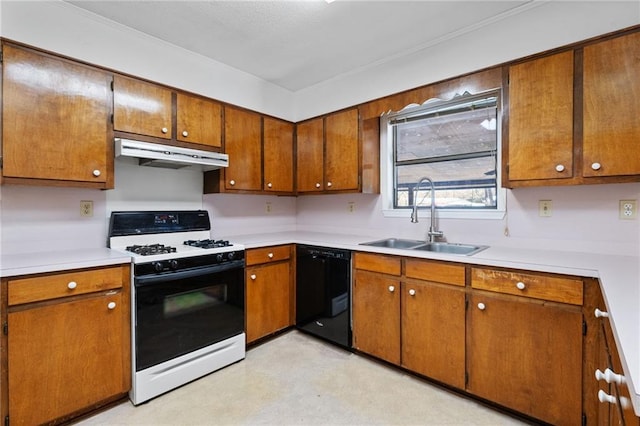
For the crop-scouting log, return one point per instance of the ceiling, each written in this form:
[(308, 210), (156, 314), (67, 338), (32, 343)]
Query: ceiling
[(296, 44)]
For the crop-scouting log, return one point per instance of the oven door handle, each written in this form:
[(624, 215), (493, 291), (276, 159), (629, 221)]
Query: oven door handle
[(189, 273)]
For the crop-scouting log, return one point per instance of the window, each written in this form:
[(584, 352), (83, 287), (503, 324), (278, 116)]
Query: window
[(454, 143)]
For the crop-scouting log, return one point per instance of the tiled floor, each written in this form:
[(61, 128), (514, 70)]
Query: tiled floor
[(298, 380)]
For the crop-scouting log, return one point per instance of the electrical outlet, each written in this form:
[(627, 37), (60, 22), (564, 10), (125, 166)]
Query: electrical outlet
[(86, 208), (545, 208), (628, 209), (267, 207), (351, 206)]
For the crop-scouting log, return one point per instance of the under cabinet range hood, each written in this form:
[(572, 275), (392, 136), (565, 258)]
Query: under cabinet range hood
[(170, 157)]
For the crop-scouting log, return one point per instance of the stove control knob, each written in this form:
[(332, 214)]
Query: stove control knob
[(219, 257), (173, 264), (231, 255), (157, 266)]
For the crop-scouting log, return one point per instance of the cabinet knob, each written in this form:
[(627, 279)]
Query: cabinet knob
[(392, 288), (412, 292), (317, 185), (232, 182), (270, 255), (601, 314), (605, 397), (520, 285), (559, 168), (596, 166), (269, 185), (329, 184), (481, 306), (609, 376), (96, 173), (253, 276), (164, 130), (185, 133), (111, 305), (72, 285)]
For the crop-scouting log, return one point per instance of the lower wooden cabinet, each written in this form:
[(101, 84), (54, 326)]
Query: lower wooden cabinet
[(70, 352), (269, 294)]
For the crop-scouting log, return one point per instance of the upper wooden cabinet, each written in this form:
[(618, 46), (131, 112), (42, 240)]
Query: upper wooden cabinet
[(277, 155), (541, 118), (146, 109), (55, 121), (243, 144), (611, 103), (328, 153), (573, 116)]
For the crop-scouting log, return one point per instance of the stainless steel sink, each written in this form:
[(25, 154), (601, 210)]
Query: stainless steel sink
[(451, 248), (397, 243)]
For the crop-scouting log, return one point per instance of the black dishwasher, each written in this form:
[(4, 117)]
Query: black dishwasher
[(323, 293)]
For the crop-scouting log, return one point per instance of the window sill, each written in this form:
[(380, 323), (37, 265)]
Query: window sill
[(447, 214)]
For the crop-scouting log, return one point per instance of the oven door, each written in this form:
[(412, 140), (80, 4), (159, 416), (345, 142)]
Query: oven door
[(180, 312)]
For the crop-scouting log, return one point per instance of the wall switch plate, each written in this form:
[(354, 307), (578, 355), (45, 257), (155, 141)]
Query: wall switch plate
[(545, 208), (628, 209), (86, 208), (351, 206), (268, 208)]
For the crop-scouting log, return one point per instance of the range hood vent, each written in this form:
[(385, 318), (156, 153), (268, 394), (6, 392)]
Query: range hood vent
[(170, 157)]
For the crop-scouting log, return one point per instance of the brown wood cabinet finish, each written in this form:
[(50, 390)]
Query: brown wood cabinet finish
[(341, 151), (55, 121), (142, 108), (278, 155), (310, 156), (391, 265), (541, 118), (198, 120), (611, 107), (243, 144), (526, 355)]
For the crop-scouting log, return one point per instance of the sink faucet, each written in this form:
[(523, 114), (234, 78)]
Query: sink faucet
[(433, 232)]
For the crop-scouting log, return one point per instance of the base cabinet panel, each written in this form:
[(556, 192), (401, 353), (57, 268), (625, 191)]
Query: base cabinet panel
[(526, 356)]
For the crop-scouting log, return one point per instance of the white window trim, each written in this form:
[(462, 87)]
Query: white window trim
[(386, 183)]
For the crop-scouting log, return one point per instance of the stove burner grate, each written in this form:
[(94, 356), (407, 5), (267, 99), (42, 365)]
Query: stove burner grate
[(151, 249), (208, 244)]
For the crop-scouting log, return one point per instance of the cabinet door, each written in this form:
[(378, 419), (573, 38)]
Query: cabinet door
[(611, 107), (268, 299), (341, 147), (278, 155), (433, 331), (527, 356), (142, 108), (243, 144), (65, 357), (55, 119), (540, 140), (199, 120), (310, 156), (376, 315)]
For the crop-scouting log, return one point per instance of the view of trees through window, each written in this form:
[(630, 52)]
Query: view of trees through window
[(455, 144)]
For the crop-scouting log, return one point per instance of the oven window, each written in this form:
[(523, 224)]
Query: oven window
[(191, 301)]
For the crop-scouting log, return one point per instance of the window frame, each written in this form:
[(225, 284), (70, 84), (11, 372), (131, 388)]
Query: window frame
[(388, 170)]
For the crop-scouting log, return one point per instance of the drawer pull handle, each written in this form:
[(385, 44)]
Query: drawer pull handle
[(601, 314), (269, 185), (596, 166), (605, 397), (329, 184), (185, 133), (164, 130), (317, 185), (111, 305), (412, 292), (521, 285), (253, 276), (559, 168), (481, 306), (270, 255), (96, 173), (609, 376), (392, 288), (72, 285), (232, 182)]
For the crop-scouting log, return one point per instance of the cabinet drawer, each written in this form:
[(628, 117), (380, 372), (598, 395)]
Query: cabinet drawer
[(556, 289), (26, 290), (435, 271), (378, 263), (267, 255)]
